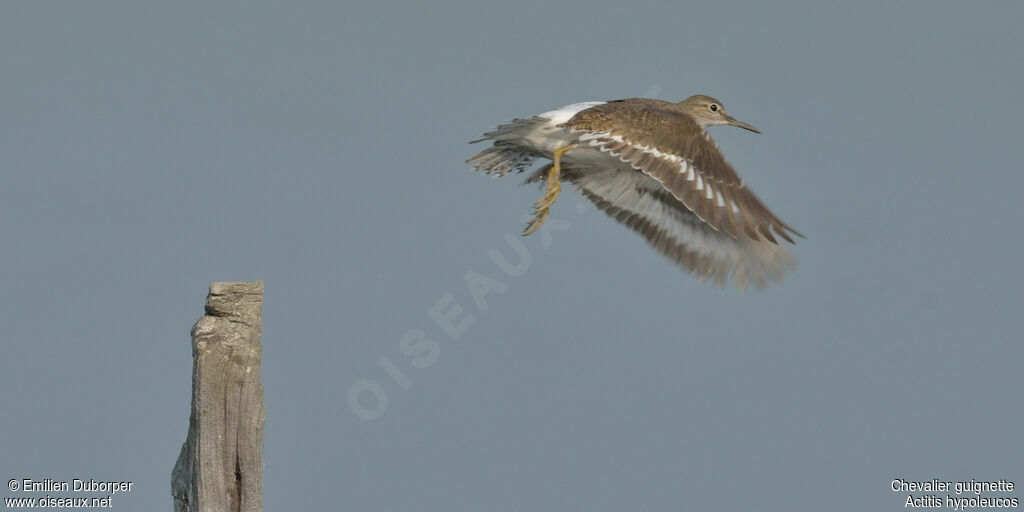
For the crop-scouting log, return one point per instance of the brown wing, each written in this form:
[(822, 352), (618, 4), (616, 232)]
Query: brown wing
[(642, 204), (680, 155)]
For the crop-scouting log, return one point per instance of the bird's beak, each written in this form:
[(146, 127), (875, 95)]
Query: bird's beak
[(731, 121)]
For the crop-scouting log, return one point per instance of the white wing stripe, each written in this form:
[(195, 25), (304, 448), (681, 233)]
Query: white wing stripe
[(758, 261), (591, 136)]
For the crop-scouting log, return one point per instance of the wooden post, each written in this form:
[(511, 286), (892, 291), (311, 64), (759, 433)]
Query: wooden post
[(220, 467)]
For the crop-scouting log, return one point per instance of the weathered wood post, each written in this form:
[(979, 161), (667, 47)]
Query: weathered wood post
[(220, 467)]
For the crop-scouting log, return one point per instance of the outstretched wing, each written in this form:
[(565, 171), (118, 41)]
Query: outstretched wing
[(642, 204), (679, 155)]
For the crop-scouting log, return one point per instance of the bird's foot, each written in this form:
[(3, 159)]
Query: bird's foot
[(542, 207)]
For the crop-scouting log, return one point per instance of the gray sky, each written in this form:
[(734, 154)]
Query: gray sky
[(147, 150)]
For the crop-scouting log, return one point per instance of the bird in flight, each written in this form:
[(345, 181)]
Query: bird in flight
[(652, 166)]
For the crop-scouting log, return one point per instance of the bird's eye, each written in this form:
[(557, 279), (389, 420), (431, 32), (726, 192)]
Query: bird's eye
[(713, 107)]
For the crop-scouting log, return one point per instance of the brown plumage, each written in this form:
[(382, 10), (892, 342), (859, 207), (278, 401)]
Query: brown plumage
[(630, 126), (651, 165)]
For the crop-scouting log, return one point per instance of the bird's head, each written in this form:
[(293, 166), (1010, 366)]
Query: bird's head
[(708, 111)]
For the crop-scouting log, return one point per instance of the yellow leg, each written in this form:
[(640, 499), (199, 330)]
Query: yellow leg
[(554, 185)]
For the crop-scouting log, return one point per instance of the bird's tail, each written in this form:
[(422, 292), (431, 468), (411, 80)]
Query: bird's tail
[(504, 156), (500, 159)]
